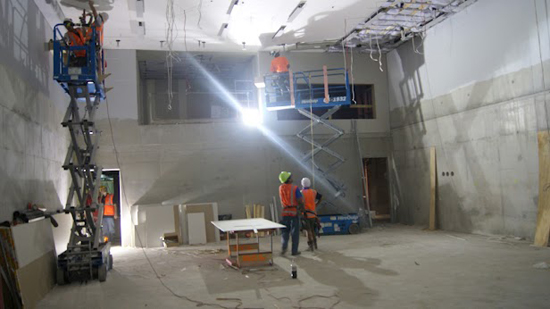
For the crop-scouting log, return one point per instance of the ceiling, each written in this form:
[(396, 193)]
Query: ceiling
[(317, 25), (251, 21)]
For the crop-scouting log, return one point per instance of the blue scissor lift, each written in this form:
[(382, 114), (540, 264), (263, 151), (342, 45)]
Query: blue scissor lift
[(308, 90), (87, 256)]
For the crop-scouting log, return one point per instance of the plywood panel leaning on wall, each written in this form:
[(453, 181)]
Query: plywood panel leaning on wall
[(542, 232)]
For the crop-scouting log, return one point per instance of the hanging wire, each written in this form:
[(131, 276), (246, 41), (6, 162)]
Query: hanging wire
[(199, 8), (370, 45), (352, 79), (379, 55), (185, 29), (351, 65), (171, 35), (312, 146)]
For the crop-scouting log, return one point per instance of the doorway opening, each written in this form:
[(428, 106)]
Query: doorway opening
[(111, 180), (378, 187)]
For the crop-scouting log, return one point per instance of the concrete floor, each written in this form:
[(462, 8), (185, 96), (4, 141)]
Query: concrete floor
[(388, 266)]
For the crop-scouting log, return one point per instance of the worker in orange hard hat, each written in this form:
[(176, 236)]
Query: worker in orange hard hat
[(109, 214), (311, 199), (291, 201)]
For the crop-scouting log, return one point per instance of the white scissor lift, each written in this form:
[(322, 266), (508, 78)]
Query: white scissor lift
[(87, 256)]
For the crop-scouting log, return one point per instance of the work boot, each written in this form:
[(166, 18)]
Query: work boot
[(283, 252), (296, 253), (309, 246)]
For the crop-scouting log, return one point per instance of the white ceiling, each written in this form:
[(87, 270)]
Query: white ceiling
[(251, 21)]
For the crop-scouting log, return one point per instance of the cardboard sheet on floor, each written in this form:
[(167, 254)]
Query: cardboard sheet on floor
[(196, 228)]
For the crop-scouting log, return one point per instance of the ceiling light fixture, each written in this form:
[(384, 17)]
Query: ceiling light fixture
[(233, 3), (279, 32), (222, 28), (296, 10)]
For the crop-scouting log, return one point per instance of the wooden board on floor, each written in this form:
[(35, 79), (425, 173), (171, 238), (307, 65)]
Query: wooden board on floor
[(542, 232), (433, 175)]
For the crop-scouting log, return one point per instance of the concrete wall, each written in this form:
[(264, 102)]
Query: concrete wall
[(223, 161), (32, 141), (476, 94)]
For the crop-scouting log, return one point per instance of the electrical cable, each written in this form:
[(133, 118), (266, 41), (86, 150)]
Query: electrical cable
[(199, 8), (370, 45), (312, 146), (198, 303), (352, 79), (171, 35), (379, 56), (184, 29)]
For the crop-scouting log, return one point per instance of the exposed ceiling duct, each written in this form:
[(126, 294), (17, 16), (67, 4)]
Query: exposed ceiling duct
[(396, 22)]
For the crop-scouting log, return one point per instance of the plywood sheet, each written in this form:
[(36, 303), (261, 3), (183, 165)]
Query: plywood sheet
[(542, 232), (208, 210), (196, 228), (37, 278), (433, 184), (159, 220), (32, 241)]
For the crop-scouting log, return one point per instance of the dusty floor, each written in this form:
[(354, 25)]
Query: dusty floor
[(389, 266)]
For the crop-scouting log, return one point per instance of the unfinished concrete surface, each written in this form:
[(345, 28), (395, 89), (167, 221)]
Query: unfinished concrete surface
[(391, 266), (479, 97)]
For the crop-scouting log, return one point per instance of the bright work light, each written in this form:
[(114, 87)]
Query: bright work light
[(251, 117)]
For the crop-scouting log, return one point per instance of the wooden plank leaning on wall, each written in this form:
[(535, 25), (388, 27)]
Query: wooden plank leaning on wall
[(542, 231)]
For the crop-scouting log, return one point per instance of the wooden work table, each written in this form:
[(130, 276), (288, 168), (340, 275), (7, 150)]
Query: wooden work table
[(245, 252)]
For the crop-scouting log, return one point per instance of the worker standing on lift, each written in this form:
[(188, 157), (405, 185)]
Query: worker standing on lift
[(280, 67), (74, 38), (99, 22), (312, 198), (291, 200)]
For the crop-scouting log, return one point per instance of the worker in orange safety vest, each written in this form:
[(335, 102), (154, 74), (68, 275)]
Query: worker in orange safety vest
[(311, 199), (99, 22), (73, 37), (279, 68), (291, 201), (109, 214)]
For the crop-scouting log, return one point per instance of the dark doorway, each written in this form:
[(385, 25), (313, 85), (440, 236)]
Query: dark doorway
[(376, 170), (111, 180)]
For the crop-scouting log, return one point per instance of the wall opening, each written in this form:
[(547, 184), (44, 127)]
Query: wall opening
[(378, 187), (111, 180)]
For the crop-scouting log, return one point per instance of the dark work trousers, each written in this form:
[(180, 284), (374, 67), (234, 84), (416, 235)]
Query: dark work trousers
[(292, 227)]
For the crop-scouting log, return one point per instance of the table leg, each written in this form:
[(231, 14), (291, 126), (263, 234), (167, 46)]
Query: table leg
[(237, 236)]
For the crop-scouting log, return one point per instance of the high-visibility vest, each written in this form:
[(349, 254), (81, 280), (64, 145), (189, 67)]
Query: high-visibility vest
[(287, 193), (309, 202), (76, 39), (279, 65), (109, 207)]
